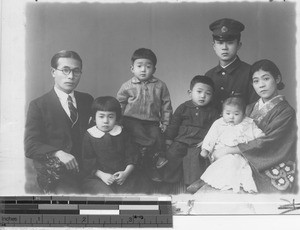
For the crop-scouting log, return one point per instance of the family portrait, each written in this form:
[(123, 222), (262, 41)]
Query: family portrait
[(171, 98)]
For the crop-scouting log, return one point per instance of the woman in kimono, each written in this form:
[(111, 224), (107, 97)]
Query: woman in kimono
[(272, 157)]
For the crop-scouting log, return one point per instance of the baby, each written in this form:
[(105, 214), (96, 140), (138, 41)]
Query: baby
[(230, 171)]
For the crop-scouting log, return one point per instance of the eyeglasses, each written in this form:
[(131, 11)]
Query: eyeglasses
[(66, 71)]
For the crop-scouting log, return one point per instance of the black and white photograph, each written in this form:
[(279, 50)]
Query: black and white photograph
[(193, 100)]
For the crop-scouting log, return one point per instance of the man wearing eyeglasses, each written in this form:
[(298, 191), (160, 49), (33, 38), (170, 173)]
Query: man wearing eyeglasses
[(55, 125)]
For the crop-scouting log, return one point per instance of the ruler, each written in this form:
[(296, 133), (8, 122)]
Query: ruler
[(65, 211)]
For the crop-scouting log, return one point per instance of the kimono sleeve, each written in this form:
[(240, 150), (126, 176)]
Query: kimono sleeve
[(277, 144)]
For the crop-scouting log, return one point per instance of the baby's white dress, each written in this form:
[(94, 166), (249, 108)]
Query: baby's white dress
[(230, 171)]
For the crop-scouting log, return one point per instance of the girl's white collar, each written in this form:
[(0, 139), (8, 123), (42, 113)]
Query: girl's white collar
[(95, 132)]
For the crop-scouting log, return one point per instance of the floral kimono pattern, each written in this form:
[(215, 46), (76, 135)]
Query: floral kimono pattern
[(273, 157)]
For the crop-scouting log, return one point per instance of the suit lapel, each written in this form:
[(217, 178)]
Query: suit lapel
[(58, 110)]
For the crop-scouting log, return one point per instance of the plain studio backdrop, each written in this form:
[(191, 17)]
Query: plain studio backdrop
[(106, 35)]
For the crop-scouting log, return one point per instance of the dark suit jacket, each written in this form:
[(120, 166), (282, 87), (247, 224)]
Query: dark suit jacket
[(48, 127)]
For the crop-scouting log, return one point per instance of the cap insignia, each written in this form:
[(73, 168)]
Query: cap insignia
[(224, 29)]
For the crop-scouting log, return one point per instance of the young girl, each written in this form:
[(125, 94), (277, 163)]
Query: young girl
[(230, 171), (108, 154)]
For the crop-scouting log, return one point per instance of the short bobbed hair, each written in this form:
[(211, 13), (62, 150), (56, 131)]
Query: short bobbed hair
[(64, 54), (107, 104)]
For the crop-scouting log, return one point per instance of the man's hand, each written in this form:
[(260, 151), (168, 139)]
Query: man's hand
[(68, 160)]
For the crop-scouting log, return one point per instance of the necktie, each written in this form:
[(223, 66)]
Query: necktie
[(73, 110)]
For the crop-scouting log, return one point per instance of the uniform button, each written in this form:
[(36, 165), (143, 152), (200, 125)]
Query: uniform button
[(197, 107), (222, 101), (223, 73), (222, 88), (196, 114)]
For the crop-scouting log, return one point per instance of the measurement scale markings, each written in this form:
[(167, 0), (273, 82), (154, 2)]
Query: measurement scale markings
[(58, 211)]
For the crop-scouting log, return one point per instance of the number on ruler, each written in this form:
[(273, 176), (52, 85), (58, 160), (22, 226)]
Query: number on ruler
[(141, 217)]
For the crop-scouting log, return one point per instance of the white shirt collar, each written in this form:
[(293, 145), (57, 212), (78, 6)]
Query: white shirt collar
[(95, 132), (62, 95)]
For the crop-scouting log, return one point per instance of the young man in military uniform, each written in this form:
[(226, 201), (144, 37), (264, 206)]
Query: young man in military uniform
[(231, 76)]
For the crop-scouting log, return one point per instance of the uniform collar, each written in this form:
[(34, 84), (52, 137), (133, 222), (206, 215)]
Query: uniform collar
[(95, 132), (137, 81), (231, 67), (224, 67)]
